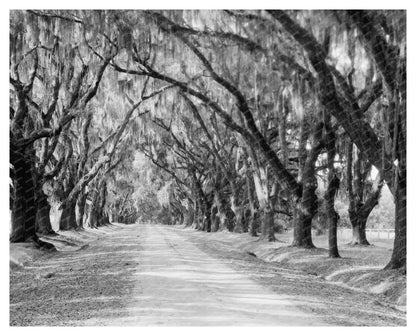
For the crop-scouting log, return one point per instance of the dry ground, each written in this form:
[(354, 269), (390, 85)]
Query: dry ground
[(158, 275), (353, 290), (360, 268)]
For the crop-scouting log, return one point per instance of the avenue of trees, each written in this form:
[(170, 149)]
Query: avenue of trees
[(230, 119)]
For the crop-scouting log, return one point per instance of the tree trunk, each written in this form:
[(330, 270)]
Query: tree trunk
[(236, 209), (306, 208), (265, 207), (238, 216), (207, 214), (358, 232), (302, 233), (93, 215), (82, 199), (43, 208), (204, 205), (93, 218), (116, 213), (68, 220), (102, 218), (332, 234), (332, 217), (197, 216), (358, 221), (267, 225), (24, 204), (305, 211), (217, 214), (215, 220), (359, 209), (398, 258), (204, 215), (252, 225), (224, 213), (189, 215), (105, 219)]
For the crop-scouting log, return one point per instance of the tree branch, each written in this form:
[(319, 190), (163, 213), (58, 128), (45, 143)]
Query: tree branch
[(360, 131)]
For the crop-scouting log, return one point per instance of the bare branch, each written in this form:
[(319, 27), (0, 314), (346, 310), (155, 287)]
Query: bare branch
[(56, 16), (175, 28)]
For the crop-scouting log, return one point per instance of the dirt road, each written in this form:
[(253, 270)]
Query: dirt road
[(143, 275), (178, 284)]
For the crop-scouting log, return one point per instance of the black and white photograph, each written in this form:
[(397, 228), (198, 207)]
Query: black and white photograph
[(206, 167)]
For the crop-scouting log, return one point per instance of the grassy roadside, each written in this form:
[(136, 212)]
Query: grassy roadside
[(21, 254), (91, 275), (360, 268)]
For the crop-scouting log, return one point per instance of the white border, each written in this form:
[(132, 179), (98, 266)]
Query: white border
[(212, 4)]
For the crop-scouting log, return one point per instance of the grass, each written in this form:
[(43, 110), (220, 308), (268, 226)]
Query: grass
[(360, 268)]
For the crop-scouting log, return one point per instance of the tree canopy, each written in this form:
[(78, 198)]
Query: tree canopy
[(238, 120)]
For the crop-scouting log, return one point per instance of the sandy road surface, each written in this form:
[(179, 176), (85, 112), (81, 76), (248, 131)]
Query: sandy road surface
[(178, 284), (143, 275)]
